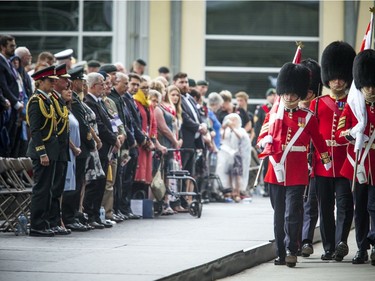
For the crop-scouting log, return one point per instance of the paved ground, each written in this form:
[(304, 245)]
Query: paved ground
[(228, 238), (147, 249), (312, 268)]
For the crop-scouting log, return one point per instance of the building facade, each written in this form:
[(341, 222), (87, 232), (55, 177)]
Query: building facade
[(235, 45)]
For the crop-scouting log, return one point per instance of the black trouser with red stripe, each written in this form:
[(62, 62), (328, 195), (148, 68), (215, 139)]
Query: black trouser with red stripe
[(287, 203), (329, 190)]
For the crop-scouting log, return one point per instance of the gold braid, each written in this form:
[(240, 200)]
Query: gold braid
[(43, 110), (63, 115)]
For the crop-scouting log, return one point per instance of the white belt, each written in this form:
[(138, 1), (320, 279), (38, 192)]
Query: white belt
[(295, 148)]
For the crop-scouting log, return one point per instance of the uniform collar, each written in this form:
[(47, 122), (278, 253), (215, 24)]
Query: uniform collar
[(291, 110)]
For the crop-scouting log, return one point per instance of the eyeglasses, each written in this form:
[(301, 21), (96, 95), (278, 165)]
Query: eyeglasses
[(100, 84), (145, 88)]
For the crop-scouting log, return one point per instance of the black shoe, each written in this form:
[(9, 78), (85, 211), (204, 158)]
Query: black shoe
[(372, 256), (290, 259), (41, 233), (96, 225), (116, 218), (76, 227), (133, 216), (122, 216), (307, 250), (360, 257), (342, 250), (58, 230), (327, 256), (279, 261), (107, 224)]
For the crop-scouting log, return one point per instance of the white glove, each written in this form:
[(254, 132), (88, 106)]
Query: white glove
[(355, 130), (265, 140), (328, 166)]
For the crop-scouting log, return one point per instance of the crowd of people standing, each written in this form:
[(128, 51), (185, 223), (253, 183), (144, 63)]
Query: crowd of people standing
[(95, 131)]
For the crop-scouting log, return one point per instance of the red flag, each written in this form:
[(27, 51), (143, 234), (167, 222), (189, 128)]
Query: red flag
[(276, 118), (298, 55), (356, 100)]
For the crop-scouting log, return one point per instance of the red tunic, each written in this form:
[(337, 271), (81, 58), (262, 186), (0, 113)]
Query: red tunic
[(144, 166), (328, 113), (296, 167), (348, 121)]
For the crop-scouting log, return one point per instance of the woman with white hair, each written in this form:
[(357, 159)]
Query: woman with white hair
[(234, 156)]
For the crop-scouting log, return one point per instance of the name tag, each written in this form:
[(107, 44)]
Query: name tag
[(114, 126), (118, 120)]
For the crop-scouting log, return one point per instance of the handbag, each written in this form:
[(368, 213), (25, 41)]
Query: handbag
[(158, 186)]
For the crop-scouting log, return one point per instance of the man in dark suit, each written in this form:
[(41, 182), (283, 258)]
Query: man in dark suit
[(122, 191), (95, 189), (43, 150), (9, 89), (192, 127), (71, 199), (141, 139)]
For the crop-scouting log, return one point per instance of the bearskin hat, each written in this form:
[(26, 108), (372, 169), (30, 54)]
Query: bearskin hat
[(337, 62), (293, 78), (315, 76), (364, 69)]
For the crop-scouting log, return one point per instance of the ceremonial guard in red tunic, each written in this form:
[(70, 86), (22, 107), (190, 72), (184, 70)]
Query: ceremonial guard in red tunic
[(353, 128), (337, 63), (287, 131)]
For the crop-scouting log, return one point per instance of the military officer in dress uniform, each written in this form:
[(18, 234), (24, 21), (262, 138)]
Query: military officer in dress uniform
[(62, 122), (43, 149), (286, 143), (337, 63), (364, 190)]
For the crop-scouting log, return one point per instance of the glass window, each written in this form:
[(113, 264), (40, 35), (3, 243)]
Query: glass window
[(276, 18), (53, 44), (255, 53), (39, 15), (97, 16), (254, 84), (98, 48)]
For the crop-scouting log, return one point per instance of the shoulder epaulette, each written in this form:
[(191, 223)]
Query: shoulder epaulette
[(55, 95)]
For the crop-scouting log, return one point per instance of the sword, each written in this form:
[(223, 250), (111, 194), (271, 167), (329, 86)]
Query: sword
[(256, 182), (355, 169)]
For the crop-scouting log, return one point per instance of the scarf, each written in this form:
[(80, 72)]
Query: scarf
[(141, 98)]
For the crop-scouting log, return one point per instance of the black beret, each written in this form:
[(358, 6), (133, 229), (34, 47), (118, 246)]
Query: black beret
[(293, 78), (202, 83), (364, 69), (141, 62), (93, 63), (103, 73), (163, 69), (337, 62), (108, 68), (315, 76), (192, 82), (76, 73)]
